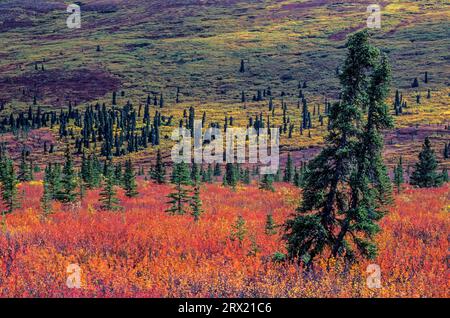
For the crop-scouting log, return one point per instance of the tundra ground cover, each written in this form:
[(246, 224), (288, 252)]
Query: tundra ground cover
[(142, 251)]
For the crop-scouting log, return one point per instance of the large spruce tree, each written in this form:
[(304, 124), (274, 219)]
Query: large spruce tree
[(346, 186)]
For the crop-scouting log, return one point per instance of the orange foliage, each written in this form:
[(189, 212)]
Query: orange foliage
[(143, 252)]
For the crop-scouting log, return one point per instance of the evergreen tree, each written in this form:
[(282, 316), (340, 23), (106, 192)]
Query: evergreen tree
[(246, 177), (196, 204), (242, 68), (270, 227), (266, 183), (8, 185), (118, 175), (129, 180), (446, 151), (161, 101), (217, 170), (67, 193), (54, 180), (297, 178), (181, 174), (108, 195), (179, 198), (444, 175), (230, 178), (425, 174), (195, 173), (398, 175), (158, 172), (239, 230), (25, 172), (346, 186), (114, 95), (289, 170), (47, 196)]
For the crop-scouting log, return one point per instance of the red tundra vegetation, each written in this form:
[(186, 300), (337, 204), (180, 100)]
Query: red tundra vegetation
[(144, 252)]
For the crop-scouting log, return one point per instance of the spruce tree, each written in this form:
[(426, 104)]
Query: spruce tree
[(196, 204), (289, 170), (67, 192), (297, 177), (47, 196), (129, 180), (108, 195), (158, 172), (55, 182), (346, 186), (444, 176), (425, 174), (270, 227), (266, 183), (209, 174), (118, 175), (239, 230), (246, 177), (8, 185), (179, 197), (217, 170), (230, 177), (398, 175), (195, 173), (25, 172), (242, 68)]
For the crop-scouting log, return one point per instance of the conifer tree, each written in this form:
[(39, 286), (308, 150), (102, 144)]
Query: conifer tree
[(161, 101), (67, 193), (270, 227), (209, 173), (239, 230), (114, 95), (108, 195), (230, 177), (8, 185), (25, 172), (196, 204), (246, 177), (195, 173), (444, 175), (242, 68), (398, 175), (289, 170), (425, 174), (346, 186), (266, 183), (129, 180), (179, 197), (217, 170), (47, 196), (54, 180), (181, 174), (158, 172)]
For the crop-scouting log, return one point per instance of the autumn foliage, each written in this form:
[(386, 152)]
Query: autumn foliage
[(142, 251)]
